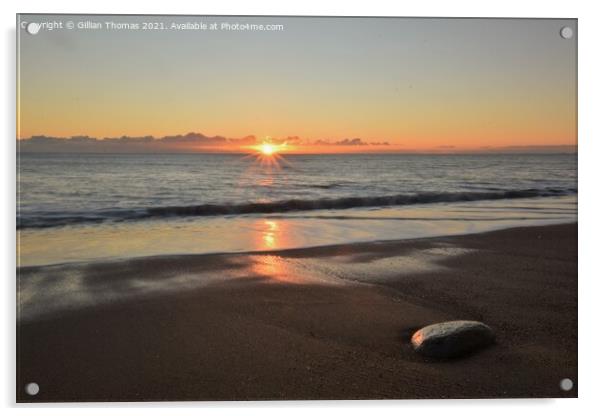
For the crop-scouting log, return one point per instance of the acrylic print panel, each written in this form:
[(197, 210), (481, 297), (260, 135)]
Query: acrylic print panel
[(282, 208)]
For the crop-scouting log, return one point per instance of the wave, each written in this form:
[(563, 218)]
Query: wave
[(205, 210), (325, 186)]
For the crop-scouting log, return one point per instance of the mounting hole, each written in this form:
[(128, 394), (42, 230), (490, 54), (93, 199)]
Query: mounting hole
[(566, 32), (566, 384), (33, 28), (32, 389)]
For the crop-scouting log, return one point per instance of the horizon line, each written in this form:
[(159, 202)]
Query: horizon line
[(194, 142)]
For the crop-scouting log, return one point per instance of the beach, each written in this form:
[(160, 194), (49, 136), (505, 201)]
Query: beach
[(329, 322)]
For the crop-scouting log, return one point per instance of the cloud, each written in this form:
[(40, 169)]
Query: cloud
[(198, 142), (178, 143), (128, 144), (194, 138), (245, 141), (569, 148), (127, 139), (349, 142)]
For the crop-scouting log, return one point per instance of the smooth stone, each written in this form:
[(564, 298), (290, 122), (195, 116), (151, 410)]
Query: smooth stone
[(452, 338)]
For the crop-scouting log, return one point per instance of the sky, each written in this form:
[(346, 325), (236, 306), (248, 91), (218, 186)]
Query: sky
[(414, 84)]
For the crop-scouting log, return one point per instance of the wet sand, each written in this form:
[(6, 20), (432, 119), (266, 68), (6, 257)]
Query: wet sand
[(319, 323)]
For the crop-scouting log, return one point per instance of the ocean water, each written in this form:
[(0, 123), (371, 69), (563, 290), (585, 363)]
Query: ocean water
[(82, 207)]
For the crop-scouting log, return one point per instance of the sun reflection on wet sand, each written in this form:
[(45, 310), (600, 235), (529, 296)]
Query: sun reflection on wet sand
[(269, 235), (273, 236), (59, 287), (277, 269)]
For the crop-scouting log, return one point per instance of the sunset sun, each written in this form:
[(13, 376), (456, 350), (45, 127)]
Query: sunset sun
[(267, 149), (268, 154)]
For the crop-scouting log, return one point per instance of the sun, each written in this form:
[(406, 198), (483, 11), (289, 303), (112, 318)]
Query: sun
[(267, 149), (269, 155)]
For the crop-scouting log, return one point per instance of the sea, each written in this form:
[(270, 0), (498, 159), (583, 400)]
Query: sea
[(97, 207)]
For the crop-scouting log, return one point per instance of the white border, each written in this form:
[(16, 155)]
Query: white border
[(590, 68)]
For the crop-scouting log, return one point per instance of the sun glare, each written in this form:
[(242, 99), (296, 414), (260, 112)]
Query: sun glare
[(268, 156), (267, 149)]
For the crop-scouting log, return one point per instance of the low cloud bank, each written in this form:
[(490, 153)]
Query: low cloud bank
[(198, 142), (178, 143)]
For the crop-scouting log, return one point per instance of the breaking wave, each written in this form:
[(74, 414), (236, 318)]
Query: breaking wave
[(55, 219)]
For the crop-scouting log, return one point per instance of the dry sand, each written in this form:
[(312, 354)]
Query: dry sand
[(257, 337)]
